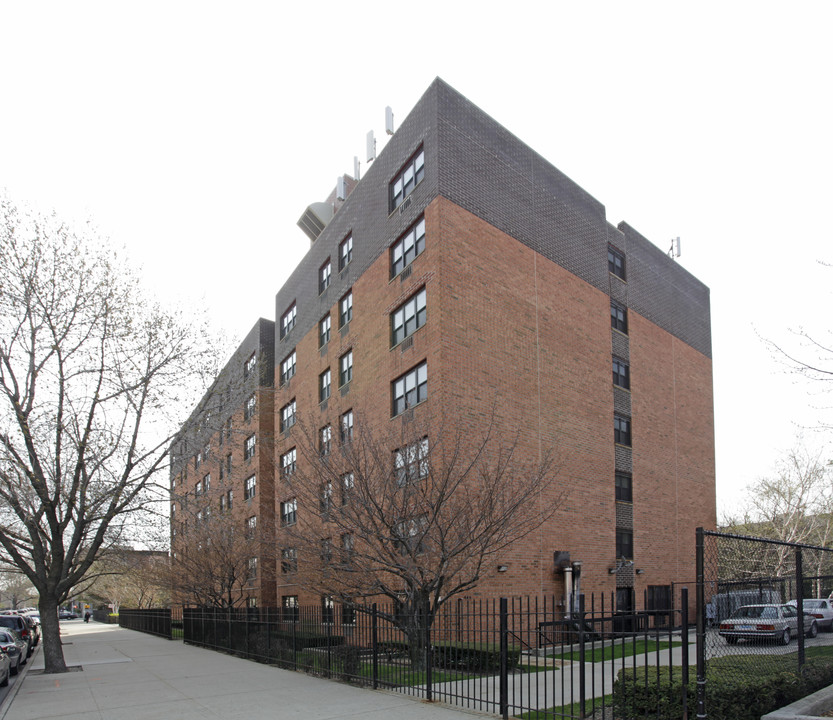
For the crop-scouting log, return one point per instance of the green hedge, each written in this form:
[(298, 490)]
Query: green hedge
[(472, 657), (732, 693)]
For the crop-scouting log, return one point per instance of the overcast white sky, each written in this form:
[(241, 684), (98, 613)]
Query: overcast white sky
[(195, 133)]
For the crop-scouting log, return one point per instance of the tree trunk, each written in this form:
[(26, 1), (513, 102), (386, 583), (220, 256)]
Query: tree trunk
[(53, 650), (417, 625)]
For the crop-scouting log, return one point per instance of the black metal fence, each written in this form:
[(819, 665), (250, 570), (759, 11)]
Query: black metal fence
[(154, 621), (735, 571), (512, 657)]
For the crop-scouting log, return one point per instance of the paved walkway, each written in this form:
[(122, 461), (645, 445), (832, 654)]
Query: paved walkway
[(127, 675)]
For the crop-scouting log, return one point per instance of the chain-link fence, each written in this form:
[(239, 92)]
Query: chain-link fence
[(763, 609)]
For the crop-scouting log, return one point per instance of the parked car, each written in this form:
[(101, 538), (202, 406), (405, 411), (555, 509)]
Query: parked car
[(5, 668), (66, 615), (34, 628), (14, 647), (766, 622), (821, 609), (21, 627)]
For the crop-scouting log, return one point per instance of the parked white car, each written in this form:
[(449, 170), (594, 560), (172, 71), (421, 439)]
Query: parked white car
[(821, 609), (766, 622)]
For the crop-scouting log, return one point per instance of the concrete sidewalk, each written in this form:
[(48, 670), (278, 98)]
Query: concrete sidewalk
[(127, 675)]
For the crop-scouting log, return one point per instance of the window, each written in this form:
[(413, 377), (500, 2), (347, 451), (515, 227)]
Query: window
[(249, 448), (288, 320), (345, 252), (288, 367), (407, 534), (346, 425), (621, 430), (288, 415), (289, 512), (326, 497), (324, 273), (198, 489), (228, 464), (624, 544), (288, 463), (615, 262), (289, 560), (408, 318), (621, 375), (345, 373), (624, 487), (289, 605), (249, 366), (206, 482), (249, 407), (345, 309), (228, 429), (197, 460), (618, 317), (404, 250), (348, 614), (408, 178), (347, 544), (252, 564), (326, 551), (325, 440), (328, 610), (251, 527), (347, 483), (324, 331), (225, 502), (410, 389), (324, 385), (411, 462), (251, 602), (250, 487)]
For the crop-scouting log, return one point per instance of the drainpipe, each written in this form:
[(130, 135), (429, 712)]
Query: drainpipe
[(576, 582), (568, 591)]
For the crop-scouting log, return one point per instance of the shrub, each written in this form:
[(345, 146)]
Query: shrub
[(729, 695), (473, 657)]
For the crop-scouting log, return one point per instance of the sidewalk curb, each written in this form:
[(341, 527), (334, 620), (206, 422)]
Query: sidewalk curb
[(21, 676)]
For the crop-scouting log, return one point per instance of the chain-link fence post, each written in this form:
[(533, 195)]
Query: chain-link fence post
[(701, 626), (799, 597)]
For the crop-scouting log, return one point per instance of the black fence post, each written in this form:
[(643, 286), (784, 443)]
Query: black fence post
[(428, 692), (684, 623), (582, 659), (701, 626), (504, 658), (799, 594), (374, 643)]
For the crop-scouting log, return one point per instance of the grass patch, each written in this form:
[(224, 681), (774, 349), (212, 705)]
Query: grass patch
[(567, 711), (617, 651)]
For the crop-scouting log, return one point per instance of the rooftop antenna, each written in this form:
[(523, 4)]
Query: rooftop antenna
[(389, 120), (357, 169), (674, 250), (341, 188), (371, 147)]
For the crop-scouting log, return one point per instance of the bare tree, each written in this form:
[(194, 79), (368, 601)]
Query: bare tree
[(15, 589), (214, 566), (794, 505), (134, 578), (91, 377), (411, 518)]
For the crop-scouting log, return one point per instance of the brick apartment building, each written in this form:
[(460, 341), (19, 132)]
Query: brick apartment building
[(221, 477), (466, 278)]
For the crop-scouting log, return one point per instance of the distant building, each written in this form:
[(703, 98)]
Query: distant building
[(464, 273)]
